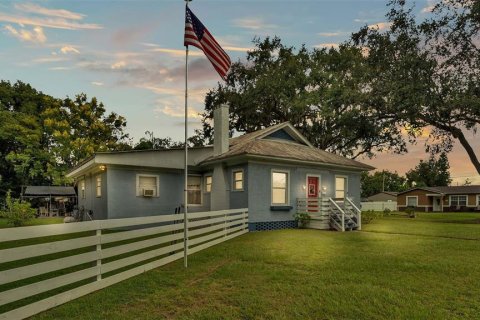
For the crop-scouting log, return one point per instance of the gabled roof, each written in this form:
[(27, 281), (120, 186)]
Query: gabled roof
[(254, 145), (448, 190)]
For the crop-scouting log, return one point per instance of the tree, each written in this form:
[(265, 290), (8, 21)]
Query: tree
[(426, 73), (153, 143), (382, 181), (431, 173), (41, 137), (321, 92)]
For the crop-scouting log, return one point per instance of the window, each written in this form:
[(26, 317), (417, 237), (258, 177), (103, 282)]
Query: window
[(99, 186), (340, 187), (478, 200), (458, 201), (280, 188), (147, 184), (238, 180), (412, 201), (194, 190), (82, 189), (208, 184)]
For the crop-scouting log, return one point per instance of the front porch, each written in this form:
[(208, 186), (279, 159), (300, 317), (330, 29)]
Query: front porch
[(328, 213)]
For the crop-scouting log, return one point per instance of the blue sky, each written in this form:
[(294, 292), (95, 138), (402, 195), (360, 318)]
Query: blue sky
[(130, 54)]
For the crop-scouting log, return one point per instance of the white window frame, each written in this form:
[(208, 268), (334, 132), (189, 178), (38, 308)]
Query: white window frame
[(319, 191), (83, 191), (233, 180), (458, 195), (98, 188), (201, 191), (139, 192), (345, 191), (287, 198), (205, 178), (413, 197)]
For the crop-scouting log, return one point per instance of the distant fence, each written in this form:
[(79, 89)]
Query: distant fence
[(68, 261), (379, 205)]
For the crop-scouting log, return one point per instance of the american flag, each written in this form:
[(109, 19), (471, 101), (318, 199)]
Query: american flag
[(197, 35)]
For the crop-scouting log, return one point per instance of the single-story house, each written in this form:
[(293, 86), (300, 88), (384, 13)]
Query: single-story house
[(265, 171), (50, 200), (384, 196), (440, 199)]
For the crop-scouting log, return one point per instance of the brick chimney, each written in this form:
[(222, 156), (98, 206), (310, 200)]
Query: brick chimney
[(220, 130)]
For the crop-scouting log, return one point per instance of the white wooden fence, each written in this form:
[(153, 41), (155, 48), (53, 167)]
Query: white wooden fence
[(97, 254), (379, 205)]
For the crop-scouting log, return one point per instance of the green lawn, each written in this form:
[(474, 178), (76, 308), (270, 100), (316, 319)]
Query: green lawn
[(33, 222), (398, 268)]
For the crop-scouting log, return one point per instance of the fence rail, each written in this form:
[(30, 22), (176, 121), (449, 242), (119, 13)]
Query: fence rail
[(97, 254), (379, 205)]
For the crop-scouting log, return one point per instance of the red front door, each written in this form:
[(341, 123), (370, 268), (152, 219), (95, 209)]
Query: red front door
[(312, 188), (312, 194)]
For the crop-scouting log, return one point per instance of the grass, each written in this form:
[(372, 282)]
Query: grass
[(397, 268), (33, 222)]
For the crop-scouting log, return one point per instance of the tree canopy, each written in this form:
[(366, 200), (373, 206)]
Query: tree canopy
[(373, 183), (431, 173), (41, 137), (322, 92), (427, 73)]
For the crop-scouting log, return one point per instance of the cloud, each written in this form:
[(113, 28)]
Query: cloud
[(34, 8), (35, 35), (332, 34), (49, 59), (69, 49), (176, 52), (361, 20), (430, 6), (240, 49), (253, 24), (327, 45), (59, 68), (38, 16), (97, 83), (380, 26), (118, 65)]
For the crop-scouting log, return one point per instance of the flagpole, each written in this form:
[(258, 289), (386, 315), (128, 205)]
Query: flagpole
[(185, 191)]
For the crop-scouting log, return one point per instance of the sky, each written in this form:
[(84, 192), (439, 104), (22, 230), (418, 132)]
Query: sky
[(130, 55)]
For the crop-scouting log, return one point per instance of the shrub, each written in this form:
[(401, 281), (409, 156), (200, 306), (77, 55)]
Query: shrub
[(302, 218), (369, 216), (17, 212), (410, 211), (386, 212)]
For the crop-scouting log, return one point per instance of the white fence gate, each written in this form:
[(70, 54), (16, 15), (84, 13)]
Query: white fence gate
[(96, 254), (379, 205)]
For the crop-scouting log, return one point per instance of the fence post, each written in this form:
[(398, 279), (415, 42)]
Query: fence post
[(225, 225), (99, 253)]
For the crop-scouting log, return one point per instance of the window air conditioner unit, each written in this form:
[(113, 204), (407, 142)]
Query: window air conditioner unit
[(148, 192)]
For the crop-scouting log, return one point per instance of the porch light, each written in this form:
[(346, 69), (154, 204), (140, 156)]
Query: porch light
[(324, 189), (102, 167), (304, 187)]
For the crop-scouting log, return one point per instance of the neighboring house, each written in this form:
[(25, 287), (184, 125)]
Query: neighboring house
[(384, 196), (442, 199), (265, 171)]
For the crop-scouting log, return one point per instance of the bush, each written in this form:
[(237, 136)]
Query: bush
[(17, 212), (302, 218), (386, 212), (410, 211), (369, 216)]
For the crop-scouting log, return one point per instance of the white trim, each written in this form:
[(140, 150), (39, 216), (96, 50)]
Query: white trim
[(345, 191), (201, 190), (233, 179), (457, 195), (205, 182), (319, 191), (98, 177), (137, 189), (416, 200), (287, 203), (294, 133)]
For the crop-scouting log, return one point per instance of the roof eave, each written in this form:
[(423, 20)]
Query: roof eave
[(280, 159)]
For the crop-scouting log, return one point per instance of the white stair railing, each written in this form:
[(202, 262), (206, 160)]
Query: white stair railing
[(339, 213), (356, 212)]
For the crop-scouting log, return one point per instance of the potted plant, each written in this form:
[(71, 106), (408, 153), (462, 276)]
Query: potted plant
[(302, 219)]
